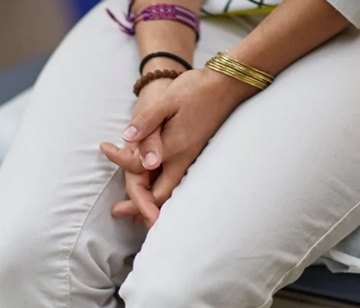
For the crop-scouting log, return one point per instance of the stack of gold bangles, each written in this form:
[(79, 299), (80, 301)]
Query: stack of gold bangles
[(229, 66)]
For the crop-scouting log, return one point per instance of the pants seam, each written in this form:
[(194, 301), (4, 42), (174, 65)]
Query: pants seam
[(273, 290), (68, 279)]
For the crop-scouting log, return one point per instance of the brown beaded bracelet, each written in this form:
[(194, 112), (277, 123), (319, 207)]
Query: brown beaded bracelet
[(144, 80)]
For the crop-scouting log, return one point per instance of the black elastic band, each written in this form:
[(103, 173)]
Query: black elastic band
[(164, 55)]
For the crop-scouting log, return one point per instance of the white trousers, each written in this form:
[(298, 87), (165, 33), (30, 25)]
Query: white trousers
[(277, 187), (11, 115)]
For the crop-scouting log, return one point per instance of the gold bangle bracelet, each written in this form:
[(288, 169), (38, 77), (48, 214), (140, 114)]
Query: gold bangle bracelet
[(255, 73), (235, 61), (226, 65), (237, 75)]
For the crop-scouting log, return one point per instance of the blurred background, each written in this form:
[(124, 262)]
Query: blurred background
[(29, 31), (32, 28)]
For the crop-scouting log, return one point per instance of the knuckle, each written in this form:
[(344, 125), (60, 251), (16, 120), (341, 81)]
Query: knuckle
[(129, 188), (161, 198), (117, 153), (148, 144), (145, 118)]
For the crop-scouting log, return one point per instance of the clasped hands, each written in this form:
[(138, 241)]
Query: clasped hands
[(172, 122)]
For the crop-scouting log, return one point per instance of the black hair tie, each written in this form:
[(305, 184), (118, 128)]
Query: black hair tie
[(164, 55)]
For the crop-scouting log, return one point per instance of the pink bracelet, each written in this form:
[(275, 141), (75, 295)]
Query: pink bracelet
[(159, 12)]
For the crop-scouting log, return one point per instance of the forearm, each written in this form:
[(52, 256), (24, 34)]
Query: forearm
[(165, 35), (292, 30)]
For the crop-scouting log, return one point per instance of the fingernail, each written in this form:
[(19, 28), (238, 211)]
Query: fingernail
[(143, 162), (130, 133), (150, 159)]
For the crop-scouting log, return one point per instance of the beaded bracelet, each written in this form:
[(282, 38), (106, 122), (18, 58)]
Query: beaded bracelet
[(144, 80), (161, 11)]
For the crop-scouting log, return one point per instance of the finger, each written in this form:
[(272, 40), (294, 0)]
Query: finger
[(146, 121), (125, 158), (151, 150), (127, 208), (136, 186), (167, 181), (124, 208), (138, 220)]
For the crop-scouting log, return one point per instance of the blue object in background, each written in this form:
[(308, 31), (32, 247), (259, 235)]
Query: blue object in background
[(83, 6)]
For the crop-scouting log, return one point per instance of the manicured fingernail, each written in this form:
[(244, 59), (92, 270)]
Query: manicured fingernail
[(130, 133), (150, 159), (142, 160)]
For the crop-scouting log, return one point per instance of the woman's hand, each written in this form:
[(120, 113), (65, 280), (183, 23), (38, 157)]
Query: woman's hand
[(188, 113), (138, 179)]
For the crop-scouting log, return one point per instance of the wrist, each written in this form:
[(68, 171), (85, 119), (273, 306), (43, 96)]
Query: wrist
[(235, 91), (155, 88), (138, 6), (165, 36)]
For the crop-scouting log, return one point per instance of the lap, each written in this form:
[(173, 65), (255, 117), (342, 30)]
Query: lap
[(281, 171), (276, 188)]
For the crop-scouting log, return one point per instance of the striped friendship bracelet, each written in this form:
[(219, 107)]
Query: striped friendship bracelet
[(160, 12)]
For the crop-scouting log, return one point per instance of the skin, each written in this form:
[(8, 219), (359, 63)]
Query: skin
[(165, 121)]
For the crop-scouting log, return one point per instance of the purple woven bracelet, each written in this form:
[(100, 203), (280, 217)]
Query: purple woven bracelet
[(160, 12)]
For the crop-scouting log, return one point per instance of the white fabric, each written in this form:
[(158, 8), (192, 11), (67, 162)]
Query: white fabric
[(339, 262), (350, 9), (218, 6), (10, 117), (276, 188)]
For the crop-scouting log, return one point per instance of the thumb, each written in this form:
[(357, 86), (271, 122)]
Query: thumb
[(144, 122), (151, 150)]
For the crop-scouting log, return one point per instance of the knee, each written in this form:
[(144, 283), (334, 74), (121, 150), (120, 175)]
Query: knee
[(193, 293), (160, 291), (214, 285)]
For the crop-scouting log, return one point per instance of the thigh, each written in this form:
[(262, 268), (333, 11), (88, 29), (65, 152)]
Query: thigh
[(59, 244), (11, 114), (276, 187)]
